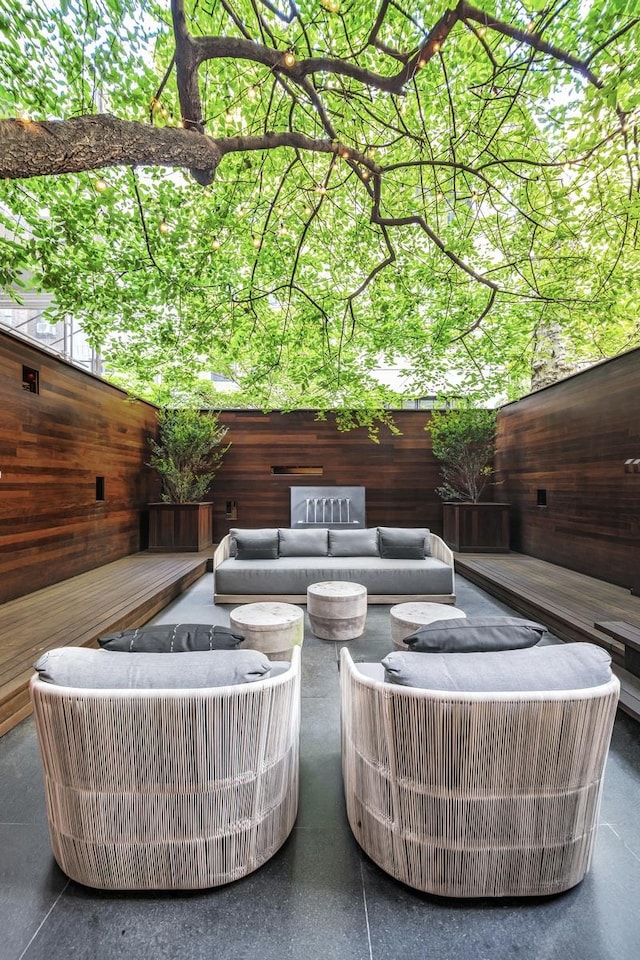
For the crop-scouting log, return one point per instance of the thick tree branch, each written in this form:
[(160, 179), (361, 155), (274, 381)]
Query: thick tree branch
[(29, 149)]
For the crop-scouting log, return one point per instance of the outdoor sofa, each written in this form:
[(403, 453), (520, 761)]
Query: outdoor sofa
[(393, 563)]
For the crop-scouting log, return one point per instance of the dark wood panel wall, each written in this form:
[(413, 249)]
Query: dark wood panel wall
[(400, 473), (562, 454), (53, 446)]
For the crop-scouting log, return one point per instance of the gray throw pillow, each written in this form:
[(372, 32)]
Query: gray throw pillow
[(109, 670), (475, 634), (571, 666), (172, 638), (256, 545), (262, 535), (404, 543), (304, 543), (354, 543)]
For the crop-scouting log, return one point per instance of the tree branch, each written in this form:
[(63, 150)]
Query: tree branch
[(30, 149)]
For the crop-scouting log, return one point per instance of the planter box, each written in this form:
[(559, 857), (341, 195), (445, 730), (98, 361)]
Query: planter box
[(476, 527), (180, 527)]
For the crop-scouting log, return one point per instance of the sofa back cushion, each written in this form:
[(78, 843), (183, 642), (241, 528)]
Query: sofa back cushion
[(354, 543), (259, 543), (303, 543), (404, 543), (474, 635), (109, 670), (572, 666)]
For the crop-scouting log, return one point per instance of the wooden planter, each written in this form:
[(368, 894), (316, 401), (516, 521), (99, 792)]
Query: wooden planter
[(476, 527), (180, 527)]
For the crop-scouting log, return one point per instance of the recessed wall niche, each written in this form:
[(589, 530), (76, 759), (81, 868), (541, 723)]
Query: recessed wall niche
[(30, 379)]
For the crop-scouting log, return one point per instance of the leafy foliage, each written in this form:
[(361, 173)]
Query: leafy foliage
[(187, 453), (447, 188), (464, 440)]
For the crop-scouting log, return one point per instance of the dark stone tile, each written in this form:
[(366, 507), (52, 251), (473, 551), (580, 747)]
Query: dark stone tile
[(321, 794), (622, 782), (195, 606), (30, 883), (21, 783), (319, 679), (596, 920), (305, 902)]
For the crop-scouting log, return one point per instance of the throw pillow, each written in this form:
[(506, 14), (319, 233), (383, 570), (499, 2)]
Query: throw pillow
[(354, 543), (262, 534), (474, 635), (256, 545), (172, 638), (403, 543), (304, 543), (107, 670), (571, 666)]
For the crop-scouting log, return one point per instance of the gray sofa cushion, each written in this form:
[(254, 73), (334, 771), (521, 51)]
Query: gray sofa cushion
[(474, 635), (292, 575), (572, 666), (256, 544), (172, 638), (403, 543), (108, 670), (303, 543), (354, 543), (261, 534)]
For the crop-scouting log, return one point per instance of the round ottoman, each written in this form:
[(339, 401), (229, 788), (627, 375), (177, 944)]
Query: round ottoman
[(272, 627), (407, 617), (337, 609)]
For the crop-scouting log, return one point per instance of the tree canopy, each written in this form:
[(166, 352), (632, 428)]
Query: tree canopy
[(293, 194)]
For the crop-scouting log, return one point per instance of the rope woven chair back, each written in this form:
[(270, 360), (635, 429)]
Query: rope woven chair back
[(475, 795), (169, 789)]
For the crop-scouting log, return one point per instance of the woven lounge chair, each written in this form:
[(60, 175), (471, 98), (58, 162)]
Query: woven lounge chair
[(169, 788), (474, 794)]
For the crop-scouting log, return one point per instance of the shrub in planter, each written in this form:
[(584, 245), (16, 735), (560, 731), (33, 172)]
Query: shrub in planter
[(464, 440), (187, 452)]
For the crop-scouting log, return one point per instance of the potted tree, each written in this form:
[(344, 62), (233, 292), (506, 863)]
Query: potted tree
[(186, 455), (464, 440)]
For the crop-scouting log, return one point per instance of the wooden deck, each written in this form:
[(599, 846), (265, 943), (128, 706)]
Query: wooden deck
[(119, 595), (568, 603)]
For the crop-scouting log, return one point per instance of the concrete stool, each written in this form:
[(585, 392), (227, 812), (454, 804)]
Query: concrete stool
[(337, 609), (272, 627), (407, 617)]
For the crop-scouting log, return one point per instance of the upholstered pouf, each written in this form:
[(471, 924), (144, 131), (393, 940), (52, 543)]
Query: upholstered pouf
[(337, 609), (407, 617), (272, 627)]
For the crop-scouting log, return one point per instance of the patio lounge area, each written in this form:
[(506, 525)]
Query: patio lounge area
[(319, 896)]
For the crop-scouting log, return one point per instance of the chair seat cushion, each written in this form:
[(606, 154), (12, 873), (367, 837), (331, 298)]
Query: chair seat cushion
[(108, 670), (572, 666)]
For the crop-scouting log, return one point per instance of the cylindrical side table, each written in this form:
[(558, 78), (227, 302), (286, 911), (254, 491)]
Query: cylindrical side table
[(337, 609), (272, 627), (407, 617)]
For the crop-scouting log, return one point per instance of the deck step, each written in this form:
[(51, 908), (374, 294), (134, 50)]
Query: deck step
[(75, 612), (572, 606)]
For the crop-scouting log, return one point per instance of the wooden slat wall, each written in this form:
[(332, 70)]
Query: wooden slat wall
[(399, 473), (53, 445), (572, 440)]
